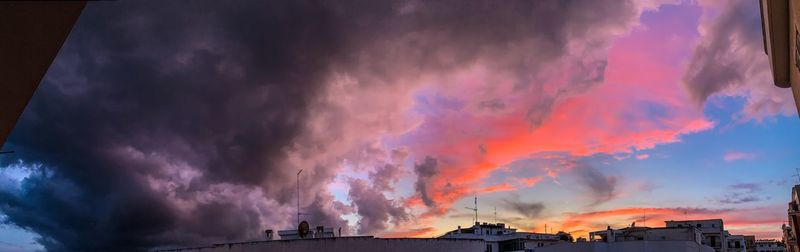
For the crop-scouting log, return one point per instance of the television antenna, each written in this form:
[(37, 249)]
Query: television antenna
[(475, 208), (797, 174)]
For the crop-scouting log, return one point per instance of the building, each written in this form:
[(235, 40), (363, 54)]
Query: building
[(713, 231), (750, 242), (790, 231), (779, 23), (501, 238), (634, 233), (769, 246), (635, 239), (736, 243), (32, 34)]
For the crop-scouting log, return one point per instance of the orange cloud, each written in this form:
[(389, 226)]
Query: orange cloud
[(531, 181), (497, 188), (764, 221), (416, 232)]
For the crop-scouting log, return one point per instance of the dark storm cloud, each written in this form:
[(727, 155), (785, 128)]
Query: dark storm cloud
[(182, 123), (224, 92), (425, 171)]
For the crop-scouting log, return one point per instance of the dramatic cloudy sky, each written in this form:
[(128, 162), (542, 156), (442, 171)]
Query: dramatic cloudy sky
[(185, 123)]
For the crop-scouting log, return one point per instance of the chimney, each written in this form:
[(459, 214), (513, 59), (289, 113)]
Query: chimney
[(459, 229), (269, 234)]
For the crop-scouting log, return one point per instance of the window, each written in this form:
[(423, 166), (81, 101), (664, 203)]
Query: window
[(699, 225), (488, 247)]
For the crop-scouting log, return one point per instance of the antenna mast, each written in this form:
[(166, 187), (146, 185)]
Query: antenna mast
[(298, 196), (475, 208), (645, 217), (495, 214), (798, 173)]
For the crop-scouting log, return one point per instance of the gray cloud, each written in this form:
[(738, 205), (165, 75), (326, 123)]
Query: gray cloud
[(425, 171), (742, 193), (528, 209), (714, 66), (493, 105), (730, 59), (383, 177), (374, 208), (601, 187)]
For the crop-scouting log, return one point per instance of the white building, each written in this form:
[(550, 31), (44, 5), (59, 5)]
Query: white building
[(736, 243), (769, 246), (636, 239), (500, 238), (713, 232)]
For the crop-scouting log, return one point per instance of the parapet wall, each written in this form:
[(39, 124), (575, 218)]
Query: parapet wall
[(343, 244), (628, 246)]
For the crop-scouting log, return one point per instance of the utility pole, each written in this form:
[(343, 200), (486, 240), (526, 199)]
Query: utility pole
[(298, 196)]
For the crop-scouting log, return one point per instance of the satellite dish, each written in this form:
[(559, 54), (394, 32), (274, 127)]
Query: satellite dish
[(302, 229)]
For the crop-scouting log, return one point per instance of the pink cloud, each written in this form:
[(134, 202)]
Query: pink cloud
[(642, 156), (637, 105), (735, 155)]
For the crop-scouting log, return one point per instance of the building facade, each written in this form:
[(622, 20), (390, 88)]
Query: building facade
[(736, 243), (635, 239), (713, 231), (502, 238), (780, 20), (750, 242), (791, 230), (769, 246)]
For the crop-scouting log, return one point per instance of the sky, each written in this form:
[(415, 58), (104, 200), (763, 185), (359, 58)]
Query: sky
[(175, 124)]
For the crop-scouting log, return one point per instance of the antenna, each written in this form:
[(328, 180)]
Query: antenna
[(798, 173), (645, 217), (545, 228), (298, 196), (495, 214), (475, 208)]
